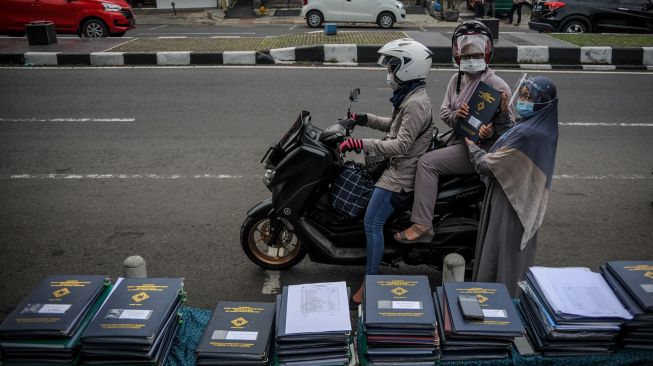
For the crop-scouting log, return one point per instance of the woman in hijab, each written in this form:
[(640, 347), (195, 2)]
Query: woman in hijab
[(519, 167)]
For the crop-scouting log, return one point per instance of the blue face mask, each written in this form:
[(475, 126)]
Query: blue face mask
[(525, 109)]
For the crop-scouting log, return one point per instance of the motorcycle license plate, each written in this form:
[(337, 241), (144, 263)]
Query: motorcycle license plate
[(537, 8)]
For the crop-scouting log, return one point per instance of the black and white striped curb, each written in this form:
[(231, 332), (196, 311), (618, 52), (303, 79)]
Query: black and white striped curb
[(532, 57)]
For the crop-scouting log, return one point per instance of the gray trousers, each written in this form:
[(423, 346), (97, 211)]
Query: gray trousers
[(445, 161)]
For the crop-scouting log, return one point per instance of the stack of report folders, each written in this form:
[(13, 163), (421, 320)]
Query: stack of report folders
[(468, 339), (313, 325), (136, 324), (570, 311), (46, 328), (632, 282), (239, 333), (399, 321)]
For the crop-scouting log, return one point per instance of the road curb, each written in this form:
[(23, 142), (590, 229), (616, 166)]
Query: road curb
[(531, 57)]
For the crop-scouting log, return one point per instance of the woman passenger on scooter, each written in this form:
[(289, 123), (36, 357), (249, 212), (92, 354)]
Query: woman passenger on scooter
[(408, 134), (520, 167), (472, 48)]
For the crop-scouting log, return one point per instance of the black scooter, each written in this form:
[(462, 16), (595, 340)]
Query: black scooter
[(299, 219)]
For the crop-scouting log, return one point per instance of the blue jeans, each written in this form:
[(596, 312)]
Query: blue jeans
[(378, 211)]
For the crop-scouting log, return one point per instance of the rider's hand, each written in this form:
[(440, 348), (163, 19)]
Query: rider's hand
[(469, 142), (485, 131), (351, 144), (463, 111), (360, 118)]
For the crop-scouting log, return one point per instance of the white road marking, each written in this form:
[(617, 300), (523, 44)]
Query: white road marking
[(171, 37), (225, 37), (423, 29), (271, 283), (293, 27), (603, 124), (601, 177), (67, 119), (159, 27), (240, 176)]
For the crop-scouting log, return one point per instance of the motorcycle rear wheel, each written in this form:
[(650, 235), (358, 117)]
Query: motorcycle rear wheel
[(284, 254)]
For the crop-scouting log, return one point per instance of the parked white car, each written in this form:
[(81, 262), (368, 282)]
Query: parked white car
[(385, 13)]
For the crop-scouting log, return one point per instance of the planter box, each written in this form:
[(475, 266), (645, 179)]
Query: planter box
[(40, 33)]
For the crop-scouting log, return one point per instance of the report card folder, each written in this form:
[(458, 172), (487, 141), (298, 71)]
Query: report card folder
[(483, 105)]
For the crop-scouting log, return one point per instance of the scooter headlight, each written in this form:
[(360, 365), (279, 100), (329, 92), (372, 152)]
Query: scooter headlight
[(268, 176)]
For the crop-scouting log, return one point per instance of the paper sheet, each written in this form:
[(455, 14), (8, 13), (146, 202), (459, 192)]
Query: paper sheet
[(318, 307), (579, 291)]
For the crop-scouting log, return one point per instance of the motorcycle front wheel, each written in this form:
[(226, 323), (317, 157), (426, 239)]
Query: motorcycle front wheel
[(284, 254)]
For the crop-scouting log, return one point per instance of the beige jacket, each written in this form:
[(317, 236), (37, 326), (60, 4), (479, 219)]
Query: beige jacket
[(414, 116)]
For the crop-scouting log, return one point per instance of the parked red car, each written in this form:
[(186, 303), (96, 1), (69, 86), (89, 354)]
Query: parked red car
[(87, 18)]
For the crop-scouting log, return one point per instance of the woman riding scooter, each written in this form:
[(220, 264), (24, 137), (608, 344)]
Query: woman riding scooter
[(408, 134), (472, 48)]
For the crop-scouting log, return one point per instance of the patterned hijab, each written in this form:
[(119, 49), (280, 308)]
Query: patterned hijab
[(522, 160)]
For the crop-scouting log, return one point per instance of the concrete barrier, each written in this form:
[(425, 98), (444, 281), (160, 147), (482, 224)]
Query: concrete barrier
[(532, 54), (173, 58), (239, 58), (283, 55), (344, 54), (107, 59), (596, 55), (41, 58)]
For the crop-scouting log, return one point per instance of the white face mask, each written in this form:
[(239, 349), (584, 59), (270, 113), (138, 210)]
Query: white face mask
[(472, 65), (391, 82)]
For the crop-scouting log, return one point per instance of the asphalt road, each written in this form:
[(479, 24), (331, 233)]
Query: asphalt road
[(180, 124)]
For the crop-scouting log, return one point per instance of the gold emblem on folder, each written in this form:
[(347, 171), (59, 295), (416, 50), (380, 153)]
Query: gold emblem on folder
[(480, 106), (61, 292), (649, 274), (140, 296), (399, 291), (482, 298), (239, 322)]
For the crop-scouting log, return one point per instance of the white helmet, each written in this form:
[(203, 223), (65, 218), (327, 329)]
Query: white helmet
[(406, 58)]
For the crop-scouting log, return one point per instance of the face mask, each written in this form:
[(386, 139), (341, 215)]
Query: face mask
[(391, 82), (472, 65), (525, 109)]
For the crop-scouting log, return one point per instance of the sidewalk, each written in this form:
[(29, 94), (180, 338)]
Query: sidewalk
[(349, 47)]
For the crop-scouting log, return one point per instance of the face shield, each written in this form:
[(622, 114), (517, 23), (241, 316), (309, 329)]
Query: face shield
[(391, 62), (470, 51), (470, 45), (528, 97)]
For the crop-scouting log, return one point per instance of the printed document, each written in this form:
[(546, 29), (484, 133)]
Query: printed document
[(580, 292), (317, 307)]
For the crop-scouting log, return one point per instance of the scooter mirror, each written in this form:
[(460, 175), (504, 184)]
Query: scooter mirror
[(354, 94)]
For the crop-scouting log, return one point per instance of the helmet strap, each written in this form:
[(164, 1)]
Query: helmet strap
[(458, 80)]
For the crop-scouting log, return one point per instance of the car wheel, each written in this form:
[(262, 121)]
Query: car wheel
[(94, 28), (574, 26), (385, 20), (314, 19)]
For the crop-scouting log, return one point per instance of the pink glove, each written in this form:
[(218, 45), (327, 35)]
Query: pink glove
[(351, 144)]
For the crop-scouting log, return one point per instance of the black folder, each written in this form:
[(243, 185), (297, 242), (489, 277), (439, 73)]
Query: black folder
[(483, 105)]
